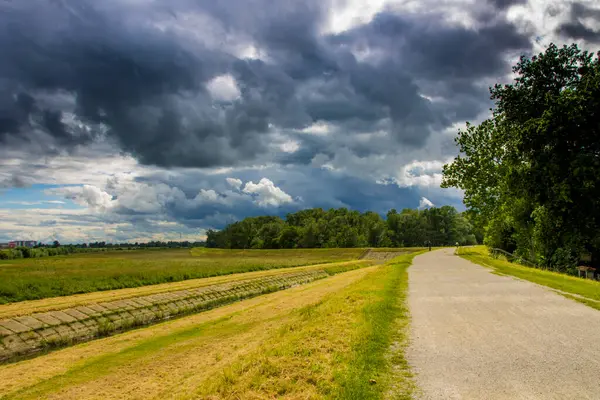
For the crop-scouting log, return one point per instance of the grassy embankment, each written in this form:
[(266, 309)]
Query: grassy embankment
[(27, 307), (583, 290), (340, 338), (397, 249), (32, 278)]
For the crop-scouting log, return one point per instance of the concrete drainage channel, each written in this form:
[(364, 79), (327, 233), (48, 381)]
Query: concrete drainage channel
[(36, 333)]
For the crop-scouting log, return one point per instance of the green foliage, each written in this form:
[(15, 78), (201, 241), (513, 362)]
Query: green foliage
[(342, 228), (37, 252), (10, 254), (56, 249), (530, 173)]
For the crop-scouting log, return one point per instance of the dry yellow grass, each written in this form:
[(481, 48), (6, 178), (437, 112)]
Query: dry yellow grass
[(57, 303), (172, 359)]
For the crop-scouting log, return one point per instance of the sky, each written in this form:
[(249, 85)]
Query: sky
[(138, 120)]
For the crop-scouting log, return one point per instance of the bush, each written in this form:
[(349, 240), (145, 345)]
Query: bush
[(26, 252), (14, 253)]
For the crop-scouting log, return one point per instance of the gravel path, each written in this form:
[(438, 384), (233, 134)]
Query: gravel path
[(476, 335)]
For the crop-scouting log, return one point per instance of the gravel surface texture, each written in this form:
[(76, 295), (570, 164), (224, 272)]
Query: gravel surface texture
[(477, 335)]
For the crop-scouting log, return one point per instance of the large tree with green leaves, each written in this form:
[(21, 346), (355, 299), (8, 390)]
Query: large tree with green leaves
[(531, 173)]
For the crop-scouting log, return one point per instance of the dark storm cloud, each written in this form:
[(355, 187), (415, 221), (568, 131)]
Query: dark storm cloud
[(576, 29), (74, 71), (504, 4), (425, 48), (144, 85)]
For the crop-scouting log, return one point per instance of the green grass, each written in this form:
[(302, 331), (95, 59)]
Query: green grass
[(28, 279), (373, 369), (325, 340), (587, 288), (96, 366), (398, 249), (338, 348)]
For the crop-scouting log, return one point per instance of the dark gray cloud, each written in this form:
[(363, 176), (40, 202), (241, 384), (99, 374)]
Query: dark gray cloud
[(504, 4), (575, 28), (14, 181), (74, 71), (425, 48)]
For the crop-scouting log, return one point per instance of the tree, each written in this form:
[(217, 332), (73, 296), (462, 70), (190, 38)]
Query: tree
[(531, 171), (212, 238), (288, 239)]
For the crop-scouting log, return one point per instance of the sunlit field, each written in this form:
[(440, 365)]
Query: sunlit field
[(37, 278), (342, 337)]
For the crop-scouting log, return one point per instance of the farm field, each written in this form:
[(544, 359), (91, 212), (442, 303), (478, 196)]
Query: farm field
[(12, 310), (38, 278), (338, 337)]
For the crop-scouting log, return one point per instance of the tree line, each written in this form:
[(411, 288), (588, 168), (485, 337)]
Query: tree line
[(171, 244), (56, 249), (531, 172), (318, 228)]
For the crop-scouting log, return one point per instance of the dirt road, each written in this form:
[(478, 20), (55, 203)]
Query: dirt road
[(476, 335)]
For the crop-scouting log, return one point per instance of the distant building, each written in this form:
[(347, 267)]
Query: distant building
[(21, 243), (3, 245)]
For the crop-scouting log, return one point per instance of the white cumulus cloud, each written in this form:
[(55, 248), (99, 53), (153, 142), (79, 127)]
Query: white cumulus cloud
[(421, 174), (236, 183), (86, 195), (267, 194), (425, 203)]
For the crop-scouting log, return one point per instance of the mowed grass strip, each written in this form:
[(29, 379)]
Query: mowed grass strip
[(170, 359), (38, 278), (587, 288), (119, 317), (326, 339), (347, 346)]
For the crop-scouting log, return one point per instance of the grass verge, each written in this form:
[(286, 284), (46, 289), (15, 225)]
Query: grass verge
[(338, 348), (377, 367), (583, 290)]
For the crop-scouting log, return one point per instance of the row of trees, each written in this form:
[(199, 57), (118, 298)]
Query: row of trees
[(41, 251), (56, 249), (531, 173), (172, 244), (315, 228)]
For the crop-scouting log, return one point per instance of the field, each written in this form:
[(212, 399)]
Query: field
[(341, 337), (38, 278), (586, 291)]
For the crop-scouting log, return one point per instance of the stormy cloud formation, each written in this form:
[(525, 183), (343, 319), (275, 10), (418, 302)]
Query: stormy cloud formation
[(145, 114), (77, 70), (578, 28)]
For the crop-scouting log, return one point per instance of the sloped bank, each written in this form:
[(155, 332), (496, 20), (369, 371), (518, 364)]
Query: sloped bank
[(35, 333)]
